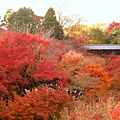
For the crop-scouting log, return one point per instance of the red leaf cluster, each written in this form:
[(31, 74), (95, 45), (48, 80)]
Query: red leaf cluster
[(36, 105), (113, 68), (98, 71), (111, 26), (46, 71), (22, 61), (115, 113), (104, 80), (113, 65)]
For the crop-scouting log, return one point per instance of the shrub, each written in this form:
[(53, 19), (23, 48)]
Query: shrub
[(42, 104)]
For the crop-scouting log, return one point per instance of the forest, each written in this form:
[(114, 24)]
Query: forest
[(46, 74)]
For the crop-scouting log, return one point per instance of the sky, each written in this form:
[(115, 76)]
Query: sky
[(92, 11)]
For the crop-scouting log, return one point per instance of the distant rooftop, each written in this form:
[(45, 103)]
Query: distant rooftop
[(102, 46)]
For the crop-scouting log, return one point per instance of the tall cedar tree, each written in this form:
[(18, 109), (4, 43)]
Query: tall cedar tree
[(50, 22)]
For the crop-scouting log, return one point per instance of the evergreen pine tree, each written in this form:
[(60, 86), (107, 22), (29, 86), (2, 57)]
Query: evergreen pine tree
[(51, 24)]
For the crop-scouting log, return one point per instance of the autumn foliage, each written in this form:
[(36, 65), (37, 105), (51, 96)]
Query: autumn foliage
[(28, 61), (22, 64), (111, 26), (115, 113), (86, 74), (113, 64), (97, 71), (104, 81), (113, 68), (36, 105)]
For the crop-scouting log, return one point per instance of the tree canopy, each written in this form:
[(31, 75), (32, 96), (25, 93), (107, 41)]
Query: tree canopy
[(96, 36), (20, 21), (52, 25)]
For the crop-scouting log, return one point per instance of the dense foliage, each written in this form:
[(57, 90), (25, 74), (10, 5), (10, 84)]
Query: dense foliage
[(22, 64), (36, 105), (25, 20), (96, 36), (20, 20), (26, 62), (56, 80), (113, 68), (50, 23)]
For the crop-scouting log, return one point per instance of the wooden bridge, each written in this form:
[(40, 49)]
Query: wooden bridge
[(103, 49)]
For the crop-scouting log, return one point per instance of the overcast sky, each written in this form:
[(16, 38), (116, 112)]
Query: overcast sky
[(93, 11)]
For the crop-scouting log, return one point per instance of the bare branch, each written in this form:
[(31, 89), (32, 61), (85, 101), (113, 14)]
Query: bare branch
[(63, 19), (45, 34)]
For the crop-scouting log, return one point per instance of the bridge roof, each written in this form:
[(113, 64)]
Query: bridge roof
[(102, 46)]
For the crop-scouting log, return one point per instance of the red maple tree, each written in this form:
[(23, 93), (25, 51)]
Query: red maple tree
[(111, 26), (22, 63)]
